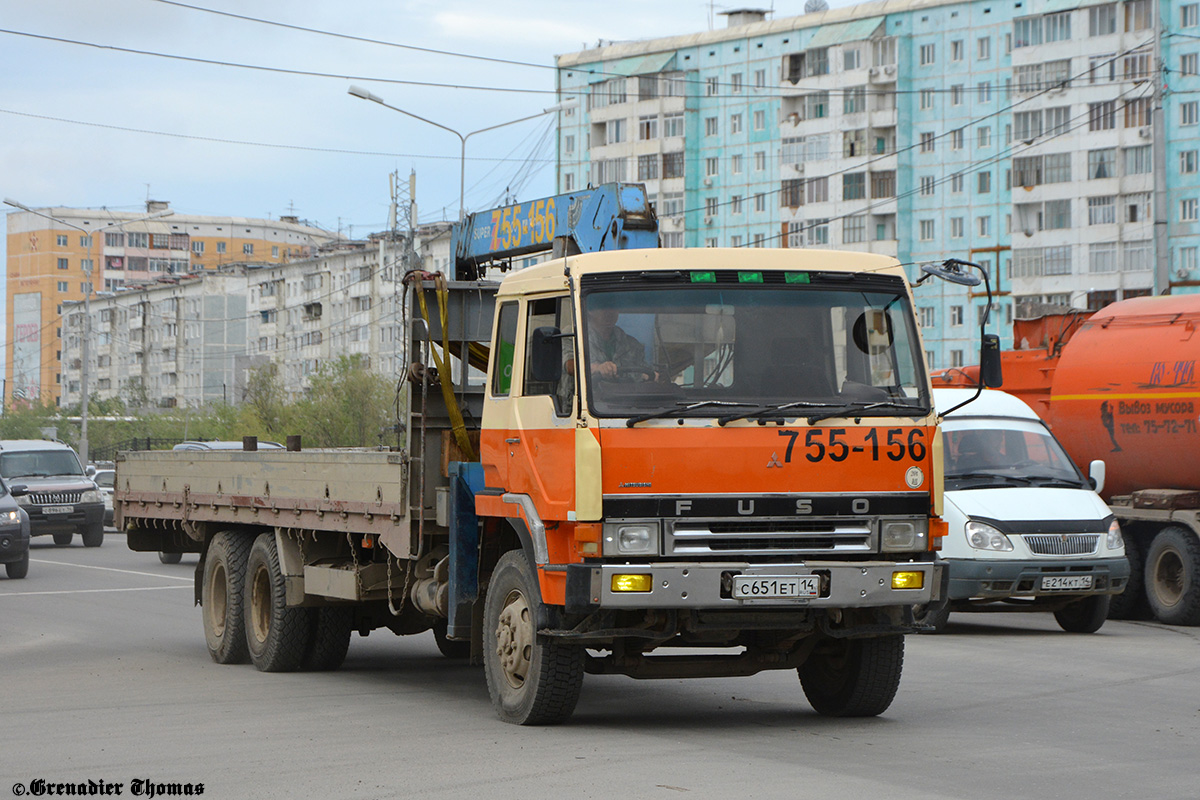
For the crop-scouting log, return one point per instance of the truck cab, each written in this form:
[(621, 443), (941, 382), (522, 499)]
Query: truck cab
[(1026, 530)]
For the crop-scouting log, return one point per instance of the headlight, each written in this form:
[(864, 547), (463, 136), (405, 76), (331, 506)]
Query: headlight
[(631, 539), (10, 517), (92, 496), (982, 536), (1114, 541), (901, 535)]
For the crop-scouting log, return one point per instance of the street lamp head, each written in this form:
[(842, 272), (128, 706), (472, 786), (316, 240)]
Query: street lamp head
[(362, 93), (8, 201)]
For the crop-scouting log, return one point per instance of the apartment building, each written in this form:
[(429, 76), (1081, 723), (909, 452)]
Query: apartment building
[(1054, 143), (56, 261)]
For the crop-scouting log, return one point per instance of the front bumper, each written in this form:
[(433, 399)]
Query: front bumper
[(14, 543), (688, 585), (999, 579), (81, 516)]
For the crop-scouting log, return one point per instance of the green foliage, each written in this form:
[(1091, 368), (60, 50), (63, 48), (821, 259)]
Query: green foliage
[(348, 406)]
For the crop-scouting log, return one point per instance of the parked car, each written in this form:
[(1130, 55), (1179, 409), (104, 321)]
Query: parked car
[(1026, 530), (14, 535), (58, 496), (105, 479)]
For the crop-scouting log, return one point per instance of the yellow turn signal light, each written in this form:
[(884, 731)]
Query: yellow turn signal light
[(632, 583), (908, 580)]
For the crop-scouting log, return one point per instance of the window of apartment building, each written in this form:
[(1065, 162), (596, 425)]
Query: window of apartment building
[(816, 190), (1027, 31), (141, 240), (851, 57), (1056, 215), (1102, 20), (983, 48), (672, 165), (927, 142), (760, 120), (711, 165), (248, 249), (64, 263), (927, 55), (956, 227), (854, 101), (735, 83), (1102, 116), (956, 183), (61, 240), (614, 131), (1102, 210), (1102, 257), (760, 202), (760, 161), (926, 230), (647, 128), (956, 139), (1102, 163), (1137, 15), (854, 143), (1136, 66), (1188, 64), (1187, 259), (1057, 27), (647, 87), (63, 287), (735, 123), (956, 94), (670, 204), (1027, 125), (274, 251), (711, 126), (854, 186), (927, 183), (737, 163), (759, 239), (710, 87), (1188, 210), (956, 50), (1102, 69), (114, 240), (983, 182), (735, 204), (672, 125), (711, 241), (648, 167), (1137, 112), (983, 137), (883, 184), (925, 99), (1056, 168), (710, 206), (569, 144), (608, 170), (983, 92), (928, 316), (1057, 120), (220, 248), (883, 51), (956, 316), (735, 241), (1187, 161), (760, 78), (198, 247), (1189, 15), (1137, 207), (984, 226), (854, 229), (1189, 113)]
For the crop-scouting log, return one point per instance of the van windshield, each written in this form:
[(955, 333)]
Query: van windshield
[(989, 453), (39, 464)]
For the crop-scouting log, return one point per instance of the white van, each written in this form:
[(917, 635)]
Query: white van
[(1027, 531)]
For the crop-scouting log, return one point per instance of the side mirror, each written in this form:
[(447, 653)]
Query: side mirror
[(990, 372), (18, 490), (545, 355), (1096, 471)]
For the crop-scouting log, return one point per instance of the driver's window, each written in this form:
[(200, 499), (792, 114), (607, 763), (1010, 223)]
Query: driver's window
[(552, 312)]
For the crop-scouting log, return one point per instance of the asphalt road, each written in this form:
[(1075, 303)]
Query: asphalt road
[(105, 677)]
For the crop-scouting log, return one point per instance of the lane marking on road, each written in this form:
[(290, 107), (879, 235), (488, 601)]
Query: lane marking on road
[(94, 591), (112, 569)]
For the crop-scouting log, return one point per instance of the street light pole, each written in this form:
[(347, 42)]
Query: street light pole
[(88, 266), (359, 92)]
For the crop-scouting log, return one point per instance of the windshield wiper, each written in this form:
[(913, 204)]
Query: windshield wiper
[(681, 408), (1054, 481), (958, 476), (854, 409), (766, 409)]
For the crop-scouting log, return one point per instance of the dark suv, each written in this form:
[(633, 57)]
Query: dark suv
[(14, 535), (60, 499)]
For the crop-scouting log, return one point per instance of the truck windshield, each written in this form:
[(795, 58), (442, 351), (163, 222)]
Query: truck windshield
[(982, 454), (44, 463), (759, 347)]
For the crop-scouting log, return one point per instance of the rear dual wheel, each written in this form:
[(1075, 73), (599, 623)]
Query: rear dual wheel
[(221, 593), (277, 637)]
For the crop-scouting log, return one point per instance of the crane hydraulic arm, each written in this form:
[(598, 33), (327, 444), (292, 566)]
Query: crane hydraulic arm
[(612, 216)]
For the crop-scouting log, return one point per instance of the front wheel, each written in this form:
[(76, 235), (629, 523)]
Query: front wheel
[(853, 677), (1173, 576), (93, 536), (1084, 616), (531, 681), (933, 615), (63, 539), (278, 637), (18, 569)]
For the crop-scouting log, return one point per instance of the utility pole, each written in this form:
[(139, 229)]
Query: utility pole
[(1158, 145)]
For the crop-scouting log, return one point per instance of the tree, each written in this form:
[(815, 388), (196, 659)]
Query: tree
[(348, 405), (265, 397)]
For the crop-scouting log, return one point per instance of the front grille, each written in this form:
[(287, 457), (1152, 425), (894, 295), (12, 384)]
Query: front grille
[(1062, 544), (769, 537), (54, 498)]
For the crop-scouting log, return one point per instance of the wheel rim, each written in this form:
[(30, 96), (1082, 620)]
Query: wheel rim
[(260, 604), (218, 601), (514, 639), (1168, 577)]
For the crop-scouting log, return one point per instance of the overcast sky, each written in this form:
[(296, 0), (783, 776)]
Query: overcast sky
[(87, 126)]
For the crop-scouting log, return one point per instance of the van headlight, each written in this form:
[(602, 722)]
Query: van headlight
[(91, 496), (631, 538), (1114, 540), (982, 536)]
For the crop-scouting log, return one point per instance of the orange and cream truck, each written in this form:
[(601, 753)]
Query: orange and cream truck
[(661, 463)]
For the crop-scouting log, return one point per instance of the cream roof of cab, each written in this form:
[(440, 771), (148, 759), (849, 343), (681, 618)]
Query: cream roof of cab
[(548, 276)]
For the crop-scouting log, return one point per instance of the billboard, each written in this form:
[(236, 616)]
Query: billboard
[(27, 346)]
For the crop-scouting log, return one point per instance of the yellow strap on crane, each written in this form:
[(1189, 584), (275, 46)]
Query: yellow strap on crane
[(457, 426)]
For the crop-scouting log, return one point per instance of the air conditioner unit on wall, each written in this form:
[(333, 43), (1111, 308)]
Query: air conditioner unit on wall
[(873, 71), (890, 69), (1144, 133)]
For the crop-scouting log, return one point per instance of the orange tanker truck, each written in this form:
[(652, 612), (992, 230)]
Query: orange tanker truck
[(1120, 386)]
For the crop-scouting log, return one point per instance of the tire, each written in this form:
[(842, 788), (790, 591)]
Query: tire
[(277, 636), (853, 677), (170, 558), (63, 539), (1132, 603), (1085, 615), (450, 648), (93, 537), (1173, 576), (17, 569), (531, 681), (933, 615), (221, 597), (330, 638)]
